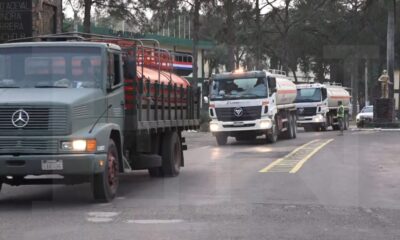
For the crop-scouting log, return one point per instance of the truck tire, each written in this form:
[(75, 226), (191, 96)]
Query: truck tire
[(272, 135), (105, 184), (294, 125), (171, 153), (222, 139), (289, 134)]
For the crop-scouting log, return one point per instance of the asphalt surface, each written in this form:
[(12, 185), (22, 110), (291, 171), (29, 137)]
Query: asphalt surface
[(349, 189)]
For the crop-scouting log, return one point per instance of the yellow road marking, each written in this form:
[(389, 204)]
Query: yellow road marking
[(276, 162), (304, 160)]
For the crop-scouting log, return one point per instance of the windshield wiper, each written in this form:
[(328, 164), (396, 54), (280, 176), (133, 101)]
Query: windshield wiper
[(50, 86), (9, 87)]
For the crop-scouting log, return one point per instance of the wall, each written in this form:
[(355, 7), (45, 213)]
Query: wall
[(46, 17)]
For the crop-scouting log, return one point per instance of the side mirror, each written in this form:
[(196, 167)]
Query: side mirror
[(272, 84), (129, 68), (324, 93), (205, 99)]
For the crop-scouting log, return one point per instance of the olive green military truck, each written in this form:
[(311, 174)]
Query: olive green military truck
[(77, 109)]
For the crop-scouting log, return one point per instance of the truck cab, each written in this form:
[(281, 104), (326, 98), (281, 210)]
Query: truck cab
[(245, 105), (317, 106)]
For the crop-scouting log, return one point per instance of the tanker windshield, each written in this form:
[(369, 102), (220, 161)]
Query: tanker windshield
[(239, 88), (308, 95), (50, 67)]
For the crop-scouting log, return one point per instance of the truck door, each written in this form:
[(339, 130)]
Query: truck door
[(115, 89)]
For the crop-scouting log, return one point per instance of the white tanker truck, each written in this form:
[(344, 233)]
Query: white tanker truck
[(245, 105), (317, 106)]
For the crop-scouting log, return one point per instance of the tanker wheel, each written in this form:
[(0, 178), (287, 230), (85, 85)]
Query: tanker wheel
[(294, 125), (105, 184), (289, 134), (171, 154), (272, 135)]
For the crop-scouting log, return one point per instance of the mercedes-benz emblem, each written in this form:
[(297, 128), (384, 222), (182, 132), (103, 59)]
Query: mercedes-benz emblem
[(238, 112), (20, 118), (301, 110)]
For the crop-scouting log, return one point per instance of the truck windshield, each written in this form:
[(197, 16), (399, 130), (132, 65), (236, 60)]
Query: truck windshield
[(50, 67), (308, 95), (239, 88)]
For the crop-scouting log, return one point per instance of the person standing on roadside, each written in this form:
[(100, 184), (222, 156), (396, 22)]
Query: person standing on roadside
[(340, 116)]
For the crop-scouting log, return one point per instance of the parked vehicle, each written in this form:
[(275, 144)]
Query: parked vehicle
[(245, 105), (88, 108), (365, 116), (317, 106)]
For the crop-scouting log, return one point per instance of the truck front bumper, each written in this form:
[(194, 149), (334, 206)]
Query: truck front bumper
[(317, 119), (256, 125), (72, 164)]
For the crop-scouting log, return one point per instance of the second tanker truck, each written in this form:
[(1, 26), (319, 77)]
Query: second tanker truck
[(245, 105), (317, 106)]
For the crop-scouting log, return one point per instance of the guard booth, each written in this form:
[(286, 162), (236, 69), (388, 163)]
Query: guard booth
[(29, 18)]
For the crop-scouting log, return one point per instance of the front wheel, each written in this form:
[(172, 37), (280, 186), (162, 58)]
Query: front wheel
[(105, 184), (272, 135)]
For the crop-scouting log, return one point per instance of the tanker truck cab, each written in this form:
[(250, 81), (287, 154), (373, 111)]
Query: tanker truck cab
[(245, 105), (317, 106)]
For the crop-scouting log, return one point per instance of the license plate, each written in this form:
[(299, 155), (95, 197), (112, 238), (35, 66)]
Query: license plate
[(49, 165), (238, 123)]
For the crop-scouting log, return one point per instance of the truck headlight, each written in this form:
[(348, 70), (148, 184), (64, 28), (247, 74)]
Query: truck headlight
[(266, 124), (213, 127), (319, 118), (79, 145)]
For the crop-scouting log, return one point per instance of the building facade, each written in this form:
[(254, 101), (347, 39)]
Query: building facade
[(28, 18)]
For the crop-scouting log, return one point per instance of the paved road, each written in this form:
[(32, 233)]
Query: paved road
[(345, 188)]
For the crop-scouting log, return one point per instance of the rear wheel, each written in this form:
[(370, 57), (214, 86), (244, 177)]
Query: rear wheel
[(222, 139), (272, 135), (172, 156), (336, 127), (105, 184)]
